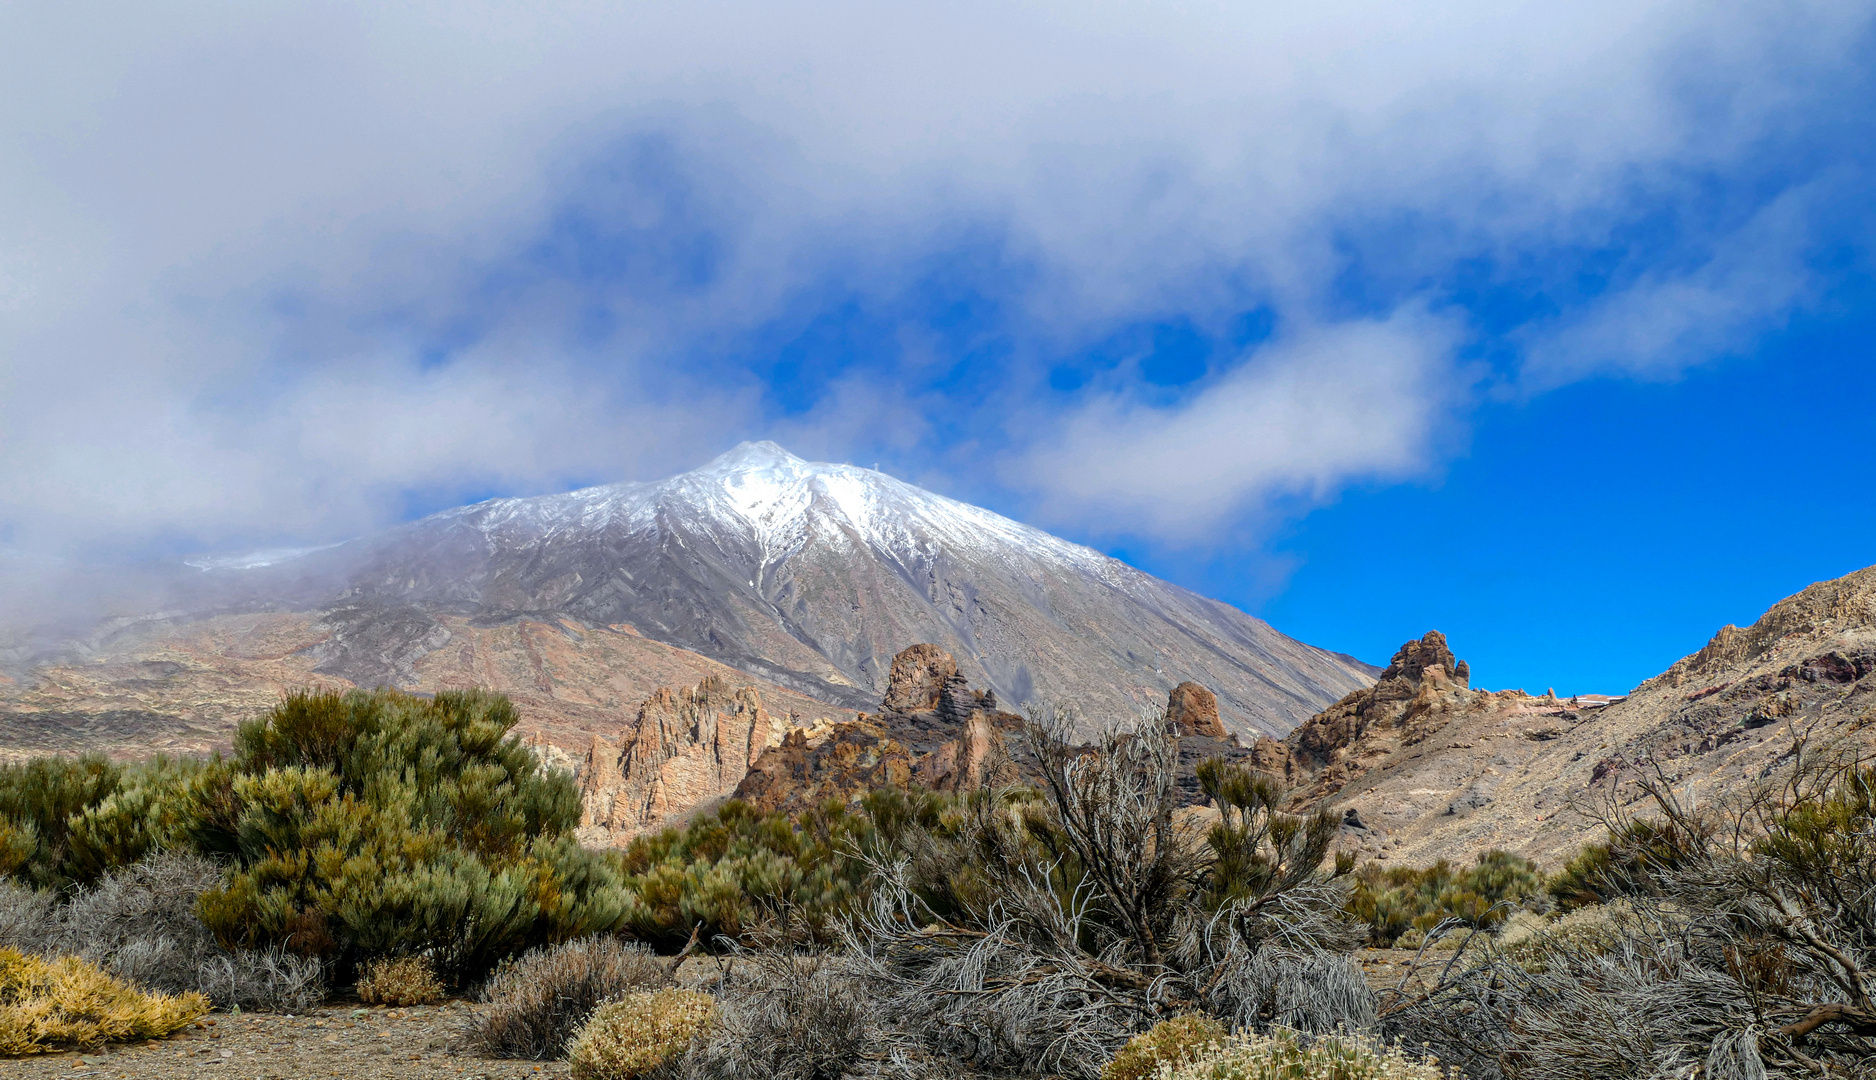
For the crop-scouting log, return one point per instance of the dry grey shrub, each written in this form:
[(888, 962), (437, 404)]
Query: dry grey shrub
[(537, 1003), (1748, 954), (139, 924), (784, 1016), (1099, 912), (27, 916)]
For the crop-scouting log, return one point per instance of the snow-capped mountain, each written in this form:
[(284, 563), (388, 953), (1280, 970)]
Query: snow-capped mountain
[(813, 575)]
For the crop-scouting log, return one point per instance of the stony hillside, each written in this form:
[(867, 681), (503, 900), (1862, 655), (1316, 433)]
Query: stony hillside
[(181, 686), (1427, 767)]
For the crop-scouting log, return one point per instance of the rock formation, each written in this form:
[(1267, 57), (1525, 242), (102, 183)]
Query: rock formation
[(1193, 710), (686, 748), (932, 730)]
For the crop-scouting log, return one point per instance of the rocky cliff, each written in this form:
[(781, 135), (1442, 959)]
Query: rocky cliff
[(685, 748)]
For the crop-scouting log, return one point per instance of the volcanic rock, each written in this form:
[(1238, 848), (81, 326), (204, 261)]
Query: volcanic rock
[(1193, 710), (686, 747)]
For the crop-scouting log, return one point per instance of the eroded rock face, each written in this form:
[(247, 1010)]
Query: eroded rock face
[(918, 679), (932, 730), (685, 748)]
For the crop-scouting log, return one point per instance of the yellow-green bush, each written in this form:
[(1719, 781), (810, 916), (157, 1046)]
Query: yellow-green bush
[(1170, 1043), (47, 1004), (381, 824), (1396, 900), (1285, 1055), (399, 980), (634, 1036)]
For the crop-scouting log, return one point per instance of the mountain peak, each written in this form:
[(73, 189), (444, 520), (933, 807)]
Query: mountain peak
[(751, 456)]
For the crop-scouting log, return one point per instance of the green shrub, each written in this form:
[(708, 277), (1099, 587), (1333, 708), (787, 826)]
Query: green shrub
[(381, 824), (46, 1005), (636, 1035), (1286, 1055), (1169, 1044), (1395, 900), (738, 869), (1623, 864), (38, 799)]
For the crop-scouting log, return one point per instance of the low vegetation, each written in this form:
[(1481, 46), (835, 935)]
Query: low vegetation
[(1290, 1055), (1167, 1044), (399, 980), (1080, 928), (639, 1034), (536, 1004), (50, 1004)]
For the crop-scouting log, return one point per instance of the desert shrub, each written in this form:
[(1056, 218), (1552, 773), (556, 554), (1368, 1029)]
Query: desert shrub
[(375, 824), (139, 924), (399, 980), (638, 1034), (1288, 1055), (38, 799), (27, 916), (1037, 933), (783, 1016), (1169, 1043), (1625, 863), (737, 871), (1745, 952), (536, 1004), (47, 1004), (18, 841), (1395, 900)]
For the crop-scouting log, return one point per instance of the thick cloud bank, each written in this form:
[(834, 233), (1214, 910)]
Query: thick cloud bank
[(272, 274)]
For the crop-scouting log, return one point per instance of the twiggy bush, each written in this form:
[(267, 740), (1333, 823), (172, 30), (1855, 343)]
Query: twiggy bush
[(49, 1004), (640, 1035), (537, 1003), (1038, 934), (28, 916), (1168, 1044), (399, 980), (783, 1016), (139, 923), (1747, 954), (1288, 1055)]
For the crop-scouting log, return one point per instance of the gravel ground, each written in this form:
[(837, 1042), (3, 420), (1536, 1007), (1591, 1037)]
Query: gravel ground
[(335, 1041)]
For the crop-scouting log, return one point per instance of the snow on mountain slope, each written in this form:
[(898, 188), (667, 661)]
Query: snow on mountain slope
[(813, 575)]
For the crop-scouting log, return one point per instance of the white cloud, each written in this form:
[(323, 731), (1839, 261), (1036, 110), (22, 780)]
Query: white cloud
[(1303, 416), (232, 235)]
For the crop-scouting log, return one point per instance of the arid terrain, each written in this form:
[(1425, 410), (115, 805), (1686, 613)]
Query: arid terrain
[(1430, 768)]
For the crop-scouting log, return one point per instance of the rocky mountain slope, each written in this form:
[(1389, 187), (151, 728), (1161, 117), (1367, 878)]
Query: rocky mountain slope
[(804, 578), (1424, 766)]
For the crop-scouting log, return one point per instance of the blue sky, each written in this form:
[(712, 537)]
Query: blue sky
[(1545, 325)]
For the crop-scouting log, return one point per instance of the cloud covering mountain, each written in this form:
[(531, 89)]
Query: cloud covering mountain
[(278, 274)]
